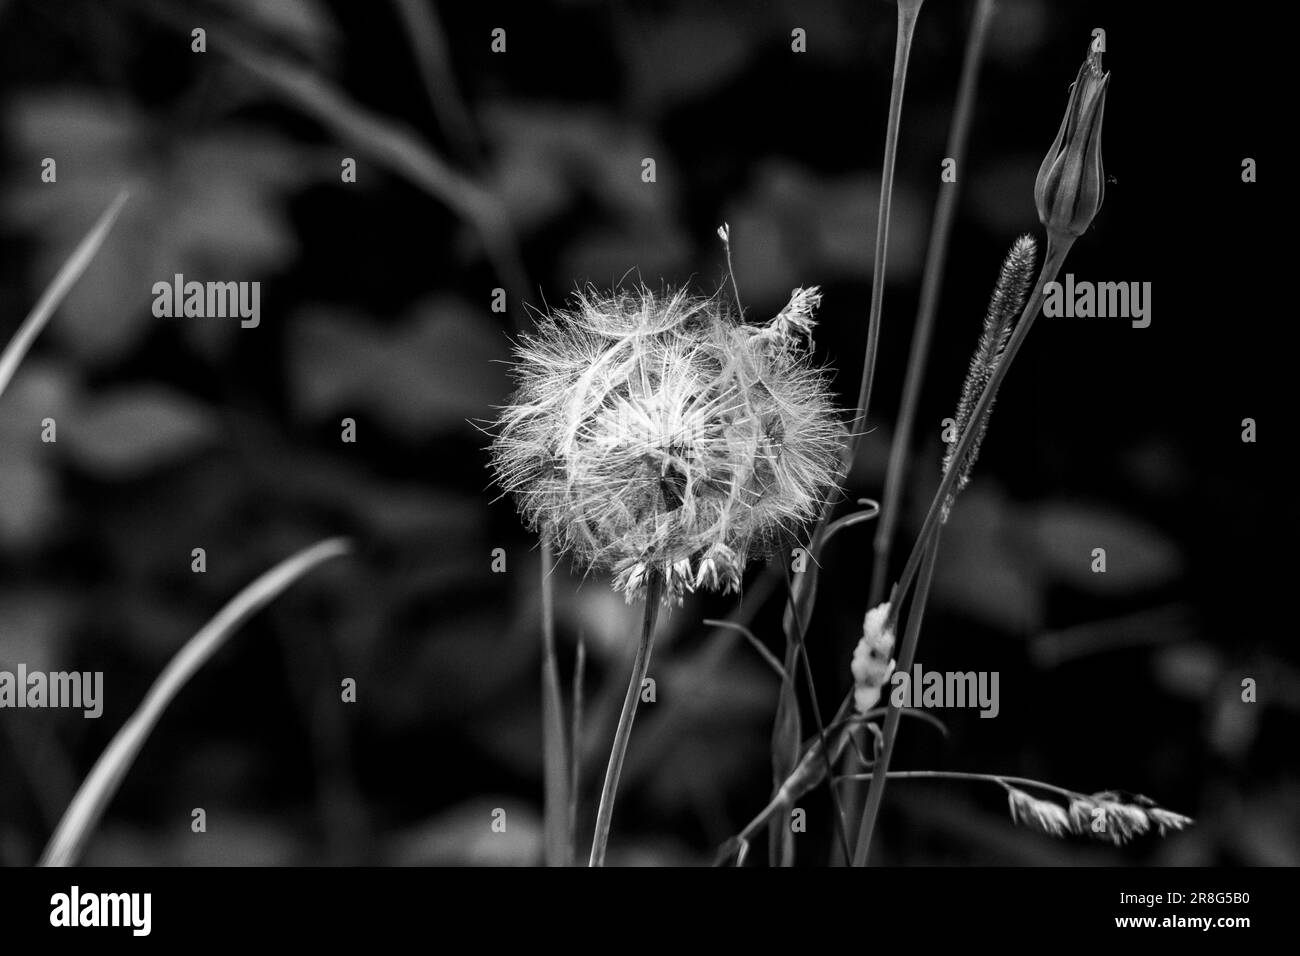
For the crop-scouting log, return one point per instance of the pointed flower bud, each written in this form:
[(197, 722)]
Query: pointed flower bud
[(1070, 182)]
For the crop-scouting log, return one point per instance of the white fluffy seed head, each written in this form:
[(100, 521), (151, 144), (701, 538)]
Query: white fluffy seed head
[(657, 434), (873, 658)]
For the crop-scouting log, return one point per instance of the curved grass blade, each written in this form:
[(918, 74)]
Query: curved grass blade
[(99, 787), (56, 291)]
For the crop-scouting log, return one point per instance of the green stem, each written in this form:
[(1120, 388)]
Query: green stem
[(641, 664)]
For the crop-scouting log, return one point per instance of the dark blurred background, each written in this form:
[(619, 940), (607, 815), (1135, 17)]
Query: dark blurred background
[(376, 305)]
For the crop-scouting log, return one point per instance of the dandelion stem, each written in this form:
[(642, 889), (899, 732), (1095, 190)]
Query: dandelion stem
[(945, 211), (575, 752), (554, 758), (641, 664)]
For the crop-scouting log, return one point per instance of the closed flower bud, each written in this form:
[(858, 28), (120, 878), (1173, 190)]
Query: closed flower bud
[(1071, 183)]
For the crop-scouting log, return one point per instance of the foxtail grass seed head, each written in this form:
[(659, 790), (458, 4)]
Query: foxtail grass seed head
[(1014, 281), (873, 658), (656, 434), (1071, 182)]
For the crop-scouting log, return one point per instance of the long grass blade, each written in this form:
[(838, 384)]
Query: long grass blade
[(57, 291), (100, 785)]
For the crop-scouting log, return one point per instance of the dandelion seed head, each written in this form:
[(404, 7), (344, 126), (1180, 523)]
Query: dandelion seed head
[(655, 434)]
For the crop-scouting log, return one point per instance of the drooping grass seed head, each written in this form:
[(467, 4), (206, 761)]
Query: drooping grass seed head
[(655, 434), (1111, 815), (1071, 182)]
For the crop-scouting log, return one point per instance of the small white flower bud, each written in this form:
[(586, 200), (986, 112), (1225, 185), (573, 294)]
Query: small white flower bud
[(873, 658)]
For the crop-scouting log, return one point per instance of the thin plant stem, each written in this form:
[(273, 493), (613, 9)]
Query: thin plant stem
[(699, 667), (1057, 249), (786, 725), (925, 550), (93, 797), (555, 760), (392, 145), (945, 213), (56, 291), (876, 791), (907, 12), (768, 657), (785, 794), (641, 664), (997, 778), (840, 822), (429, 44), (575, 750)]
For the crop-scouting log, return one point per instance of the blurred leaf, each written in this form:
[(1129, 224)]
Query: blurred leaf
[(126, 432), (1001, 194), (1266, 826), (30, 503), (1234, 724), (463, 836), (234, 839), (985, 569), (546, 155), (794, 228), (431, 374), (305, 25), (653, 250), (1188, 670), (686, 54), (33, 626), (205, 205), (463, 667), (1138, 556), (730, 706)]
